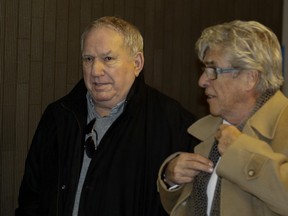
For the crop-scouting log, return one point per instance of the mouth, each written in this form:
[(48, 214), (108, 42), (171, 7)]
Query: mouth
[(99, 86), (210, 96), (100, 83)]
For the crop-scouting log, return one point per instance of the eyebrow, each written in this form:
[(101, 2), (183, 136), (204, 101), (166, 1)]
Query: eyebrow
[(107, 53), (103, 54)]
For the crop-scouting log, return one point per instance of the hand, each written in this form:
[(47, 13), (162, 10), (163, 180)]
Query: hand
[(183, 168), (226, 135)]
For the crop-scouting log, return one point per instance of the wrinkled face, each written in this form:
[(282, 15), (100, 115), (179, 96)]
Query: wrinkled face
[(227, 95), (108, 69)]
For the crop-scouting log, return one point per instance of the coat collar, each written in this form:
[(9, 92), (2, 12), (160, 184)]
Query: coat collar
[(205, 127), (75, 101), (268, 116), (262, 122)]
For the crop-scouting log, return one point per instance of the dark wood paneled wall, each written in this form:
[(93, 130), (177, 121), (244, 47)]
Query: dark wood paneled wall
[(40, 58)]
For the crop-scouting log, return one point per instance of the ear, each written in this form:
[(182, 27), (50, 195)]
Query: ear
[(252, 78), (138, 63)]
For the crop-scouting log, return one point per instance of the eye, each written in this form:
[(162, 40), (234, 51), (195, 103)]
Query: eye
[(88, 59), (108, 58)]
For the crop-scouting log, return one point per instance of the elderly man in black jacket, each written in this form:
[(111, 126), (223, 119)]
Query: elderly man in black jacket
[(97, 150)]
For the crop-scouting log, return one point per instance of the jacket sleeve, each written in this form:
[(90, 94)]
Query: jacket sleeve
[(168, 197), (29, 199), (257, 169)]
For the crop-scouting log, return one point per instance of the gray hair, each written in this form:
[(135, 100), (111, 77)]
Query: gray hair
[(133, 39), (249, 45)]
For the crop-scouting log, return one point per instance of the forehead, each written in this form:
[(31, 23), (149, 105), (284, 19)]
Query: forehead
[(216, 56), (104, 34)]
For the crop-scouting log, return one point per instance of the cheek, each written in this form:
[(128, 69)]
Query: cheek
[(85, 71), (230, 97), (123, 81), (226, 93), (86, 78), (125, 72)]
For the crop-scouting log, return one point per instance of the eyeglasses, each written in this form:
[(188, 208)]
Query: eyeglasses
[(212, 72), (90, 145)]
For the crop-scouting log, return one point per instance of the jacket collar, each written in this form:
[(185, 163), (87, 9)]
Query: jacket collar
[(75, 101), (271, 111), (205, 127)]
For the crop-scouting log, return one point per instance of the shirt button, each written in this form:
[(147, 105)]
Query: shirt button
[(63, 187), (251, 173)]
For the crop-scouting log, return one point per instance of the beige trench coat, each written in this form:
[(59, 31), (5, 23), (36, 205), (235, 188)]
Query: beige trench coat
[(254, 169)]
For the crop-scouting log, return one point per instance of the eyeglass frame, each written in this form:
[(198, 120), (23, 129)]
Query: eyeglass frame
[(217, 70), (90, 145)]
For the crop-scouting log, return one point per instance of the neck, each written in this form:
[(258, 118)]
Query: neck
[(256, 105), (103, 111), (239, 119), (242, 111)]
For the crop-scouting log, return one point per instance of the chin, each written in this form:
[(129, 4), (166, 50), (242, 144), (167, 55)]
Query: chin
[(214, 112)]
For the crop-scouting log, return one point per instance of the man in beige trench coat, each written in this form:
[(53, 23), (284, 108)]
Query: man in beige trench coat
[(248, 125)]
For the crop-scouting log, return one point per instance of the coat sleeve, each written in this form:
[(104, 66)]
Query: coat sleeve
[(168, 197), (257, 169), (29, 199)]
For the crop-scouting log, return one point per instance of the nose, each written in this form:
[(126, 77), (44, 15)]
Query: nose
[(97, 68), (203, 80)]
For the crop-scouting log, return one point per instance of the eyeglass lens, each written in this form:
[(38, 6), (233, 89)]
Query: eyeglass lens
[(210, 73)]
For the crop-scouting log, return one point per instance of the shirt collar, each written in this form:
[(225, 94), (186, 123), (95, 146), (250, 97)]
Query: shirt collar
[(91, 106)]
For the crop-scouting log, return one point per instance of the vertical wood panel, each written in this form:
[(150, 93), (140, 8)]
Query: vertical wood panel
[(108, 7), (24, 19), (119, 8), (22, 93), (61, 49), (187, 55), (2, 40), (49, 52), (35, 111), (20, 152), (168, 46), (61, 32), (158, 45), (36, 66), (7, 147), (129, 10), (10, 55), (177, 66), (85, 14), (196, 99), (22, 100), (7, 180), (148, 35), (37, 29), (73, 67), (60, 80), (23, 70), (97, 9), (37, 39), (35, 97)]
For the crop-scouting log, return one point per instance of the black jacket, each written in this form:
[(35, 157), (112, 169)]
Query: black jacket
[(121, 179)]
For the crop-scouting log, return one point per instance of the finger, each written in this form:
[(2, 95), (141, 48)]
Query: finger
[(217, 134), (194, 162), (192, 157), (223, 126), (184, 179)]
